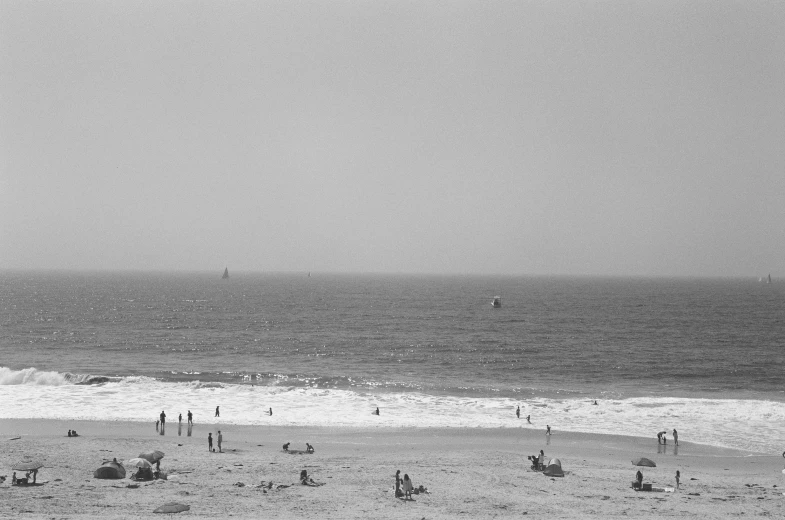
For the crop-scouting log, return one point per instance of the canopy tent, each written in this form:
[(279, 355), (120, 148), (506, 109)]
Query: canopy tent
[(643, 461), (27, 465)]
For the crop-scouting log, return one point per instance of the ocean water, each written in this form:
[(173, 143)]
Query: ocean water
[(704, 356)]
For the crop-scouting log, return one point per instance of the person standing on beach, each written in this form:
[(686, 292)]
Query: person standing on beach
[(190, 417), (156, 424), (180, 418), (678, 477), (377, 411), (220, 439), (209, 442), (659, 437), (217, 412), (547, 430), (398, 492), (675, 437), (518, 412)]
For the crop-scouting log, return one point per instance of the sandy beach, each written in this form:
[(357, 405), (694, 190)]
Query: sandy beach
[(469, 473)]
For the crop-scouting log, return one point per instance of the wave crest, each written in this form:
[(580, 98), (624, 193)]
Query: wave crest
[(33, 376)]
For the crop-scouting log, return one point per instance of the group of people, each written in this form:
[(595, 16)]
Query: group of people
[(161, 421), (24, 481), (638, 482), (72, 433), (403, 487), (662, 439), (219, 438), (538, 461), (518, 415), (308, 447)]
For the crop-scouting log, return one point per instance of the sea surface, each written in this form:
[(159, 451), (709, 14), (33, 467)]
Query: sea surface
[(703, 356)]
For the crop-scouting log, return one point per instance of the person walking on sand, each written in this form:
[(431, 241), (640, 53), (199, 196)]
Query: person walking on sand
[(270, 412), (678, 477), (217, 412), (156, 424), (529, 419), (220, 439), (210, 442), (675, 437), (547, 430), (518, 412), (190, 417)]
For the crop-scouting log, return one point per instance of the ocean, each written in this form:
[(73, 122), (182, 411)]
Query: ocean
[(703, 356)]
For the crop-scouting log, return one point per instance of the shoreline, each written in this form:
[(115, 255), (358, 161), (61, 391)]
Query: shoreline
[(471, 472)]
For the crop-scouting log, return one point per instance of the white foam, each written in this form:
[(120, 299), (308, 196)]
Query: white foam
[(743, 424)]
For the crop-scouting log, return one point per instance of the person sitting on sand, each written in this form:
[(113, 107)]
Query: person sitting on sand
[(74, 434), (69, 433), (309, 448), (638, 484), (286, 447), (407, 487)]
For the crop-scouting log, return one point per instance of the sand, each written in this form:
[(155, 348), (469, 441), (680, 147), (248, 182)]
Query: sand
[(469, 473)]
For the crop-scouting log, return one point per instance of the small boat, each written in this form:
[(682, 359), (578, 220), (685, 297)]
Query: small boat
[(496, 302), (226, 274)]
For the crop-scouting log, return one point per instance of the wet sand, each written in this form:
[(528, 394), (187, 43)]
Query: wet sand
[(469, 473)]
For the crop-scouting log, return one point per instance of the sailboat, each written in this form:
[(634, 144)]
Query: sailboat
[(226, 274)]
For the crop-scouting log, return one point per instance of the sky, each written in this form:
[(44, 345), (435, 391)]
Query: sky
[(622, 138)]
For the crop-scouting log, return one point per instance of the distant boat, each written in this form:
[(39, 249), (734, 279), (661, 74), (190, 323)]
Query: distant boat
[(496, 302), (226, 274), (769, 279)]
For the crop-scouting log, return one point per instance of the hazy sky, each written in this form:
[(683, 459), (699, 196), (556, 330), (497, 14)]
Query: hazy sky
[(545, 137)]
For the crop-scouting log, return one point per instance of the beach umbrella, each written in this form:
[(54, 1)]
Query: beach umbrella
[(643, 461), (110, 470), (152, 457), (139, 463), (27, 465), (172, 507)]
